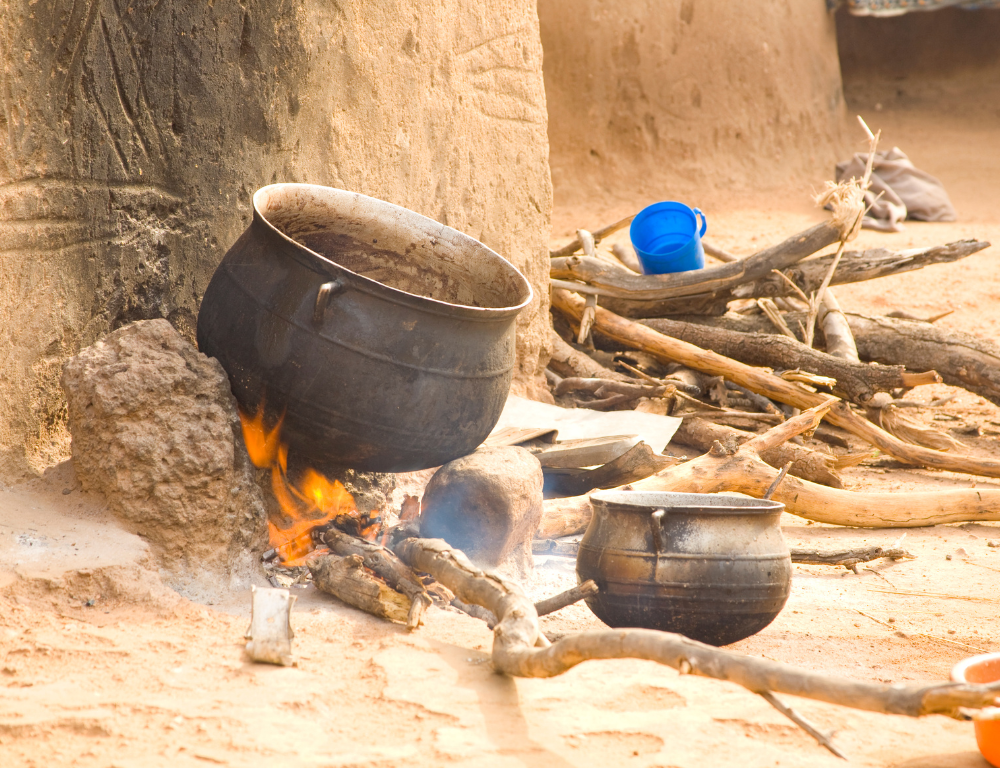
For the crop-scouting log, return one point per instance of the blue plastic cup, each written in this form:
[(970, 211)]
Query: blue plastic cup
[(666, 238)]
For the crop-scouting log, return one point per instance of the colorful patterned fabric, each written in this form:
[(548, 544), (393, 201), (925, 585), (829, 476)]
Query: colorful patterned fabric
[(899, 7)]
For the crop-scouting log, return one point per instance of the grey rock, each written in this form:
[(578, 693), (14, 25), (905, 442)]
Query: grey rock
[(489, 505), (156, 430)]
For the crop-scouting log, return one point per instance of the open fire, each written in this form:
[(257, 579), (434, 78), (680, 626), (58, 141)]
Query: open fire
[(311, 501)]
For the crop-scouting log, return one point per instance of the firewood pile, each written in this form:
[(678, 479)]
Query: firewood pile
[(742, 345)]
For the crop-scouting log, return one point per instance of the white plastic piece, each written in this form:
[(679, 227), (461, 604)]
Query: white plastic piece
[(270, 633)]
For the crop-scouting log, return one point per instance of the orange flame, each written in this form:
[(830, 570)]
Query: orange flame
[(315, 501)]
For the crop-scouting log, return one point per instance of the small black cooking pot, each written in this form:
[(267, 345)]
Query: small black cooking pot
[(385, 338), (713, 567)]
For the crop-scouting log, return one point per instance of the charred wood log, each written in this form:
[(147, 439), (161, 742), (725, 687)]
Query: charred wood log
[(963, 360), (858, 382), (849, 558), (346, 579), (386, 566)]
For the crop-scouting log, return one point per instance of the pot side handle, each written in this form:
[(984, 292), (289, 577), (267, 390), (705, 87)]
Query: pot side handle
[(323, 296), (655, 526)]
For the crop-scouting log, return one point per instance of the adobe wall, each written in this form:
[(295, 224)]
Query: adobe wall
[(651, 99), (132, 136), (948, 43)]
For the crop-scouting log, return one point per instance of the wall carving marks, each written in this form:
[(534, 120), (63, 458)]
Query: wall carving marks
[(504, 78)]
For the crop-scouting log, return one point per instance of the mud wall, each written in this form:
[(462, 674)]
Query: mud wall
[(133, 134), (651, 97), (947, 43)]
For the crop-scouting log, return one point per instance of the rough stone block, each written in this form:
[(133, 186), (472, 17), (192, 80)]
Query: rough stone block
[(156, 430)]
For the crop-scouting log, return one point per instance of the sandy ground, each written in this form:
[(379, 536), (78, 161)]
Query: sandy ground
[(102, 666)]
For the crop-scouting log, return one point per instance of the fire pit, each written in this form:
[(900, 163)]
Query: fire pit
[(383, 340)]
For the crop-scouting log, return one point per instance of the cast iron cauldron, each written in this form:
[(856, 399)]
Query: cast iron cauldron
[(713, 567), (385, 338)]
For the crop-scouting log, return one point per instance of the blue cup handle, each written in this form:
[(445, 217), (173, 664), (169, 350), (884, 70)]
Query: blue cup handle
[(704, 222)]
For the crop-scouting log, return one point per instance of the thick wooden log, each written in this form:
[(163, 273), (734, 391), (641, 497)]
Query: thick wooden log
[(962, 360), (520, 649), (856, 267), (568, 362), (626, 284), (766, 383), (345, 578), (858, 382), (564, 517), (708, 304), (386, 565)]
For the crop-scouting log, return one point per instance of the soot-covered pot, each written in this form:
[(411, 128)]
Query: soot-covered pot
[(712, 567), (385, 338)]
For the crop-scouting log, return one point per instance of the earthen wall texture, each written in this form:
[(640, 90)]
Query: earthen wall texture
[(650, 99), (132, 135)]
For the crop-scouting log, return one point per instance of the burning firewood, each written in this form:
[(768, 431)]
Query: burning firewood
[(386, 566), (346, 578)]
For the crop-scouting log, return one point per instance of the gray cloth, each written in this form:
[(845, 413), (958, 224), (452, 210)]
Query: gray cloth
[(906, 191)]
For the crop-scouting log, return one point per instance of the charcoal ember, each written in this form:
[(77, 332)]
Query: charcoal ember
[(156, 430), (489, 505)]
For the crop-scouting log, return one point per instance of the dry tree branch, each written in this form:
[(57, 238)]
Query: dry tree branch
[(599, 234), (848, 202), (521, 650)]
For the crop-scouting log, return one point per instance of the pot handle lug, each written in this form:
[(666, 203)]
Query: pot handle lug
[(323, 296), (655, 526)]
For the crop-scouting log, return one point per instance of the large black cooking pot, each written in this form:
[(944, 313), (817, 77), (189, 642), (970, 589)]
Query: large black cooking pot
[(385, 338), (713, 567)]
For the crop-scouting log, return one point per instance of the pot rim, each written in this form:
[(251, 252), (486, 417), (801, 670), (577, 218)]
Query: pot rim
[(680, 503), (374, 286), (958, 673)]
